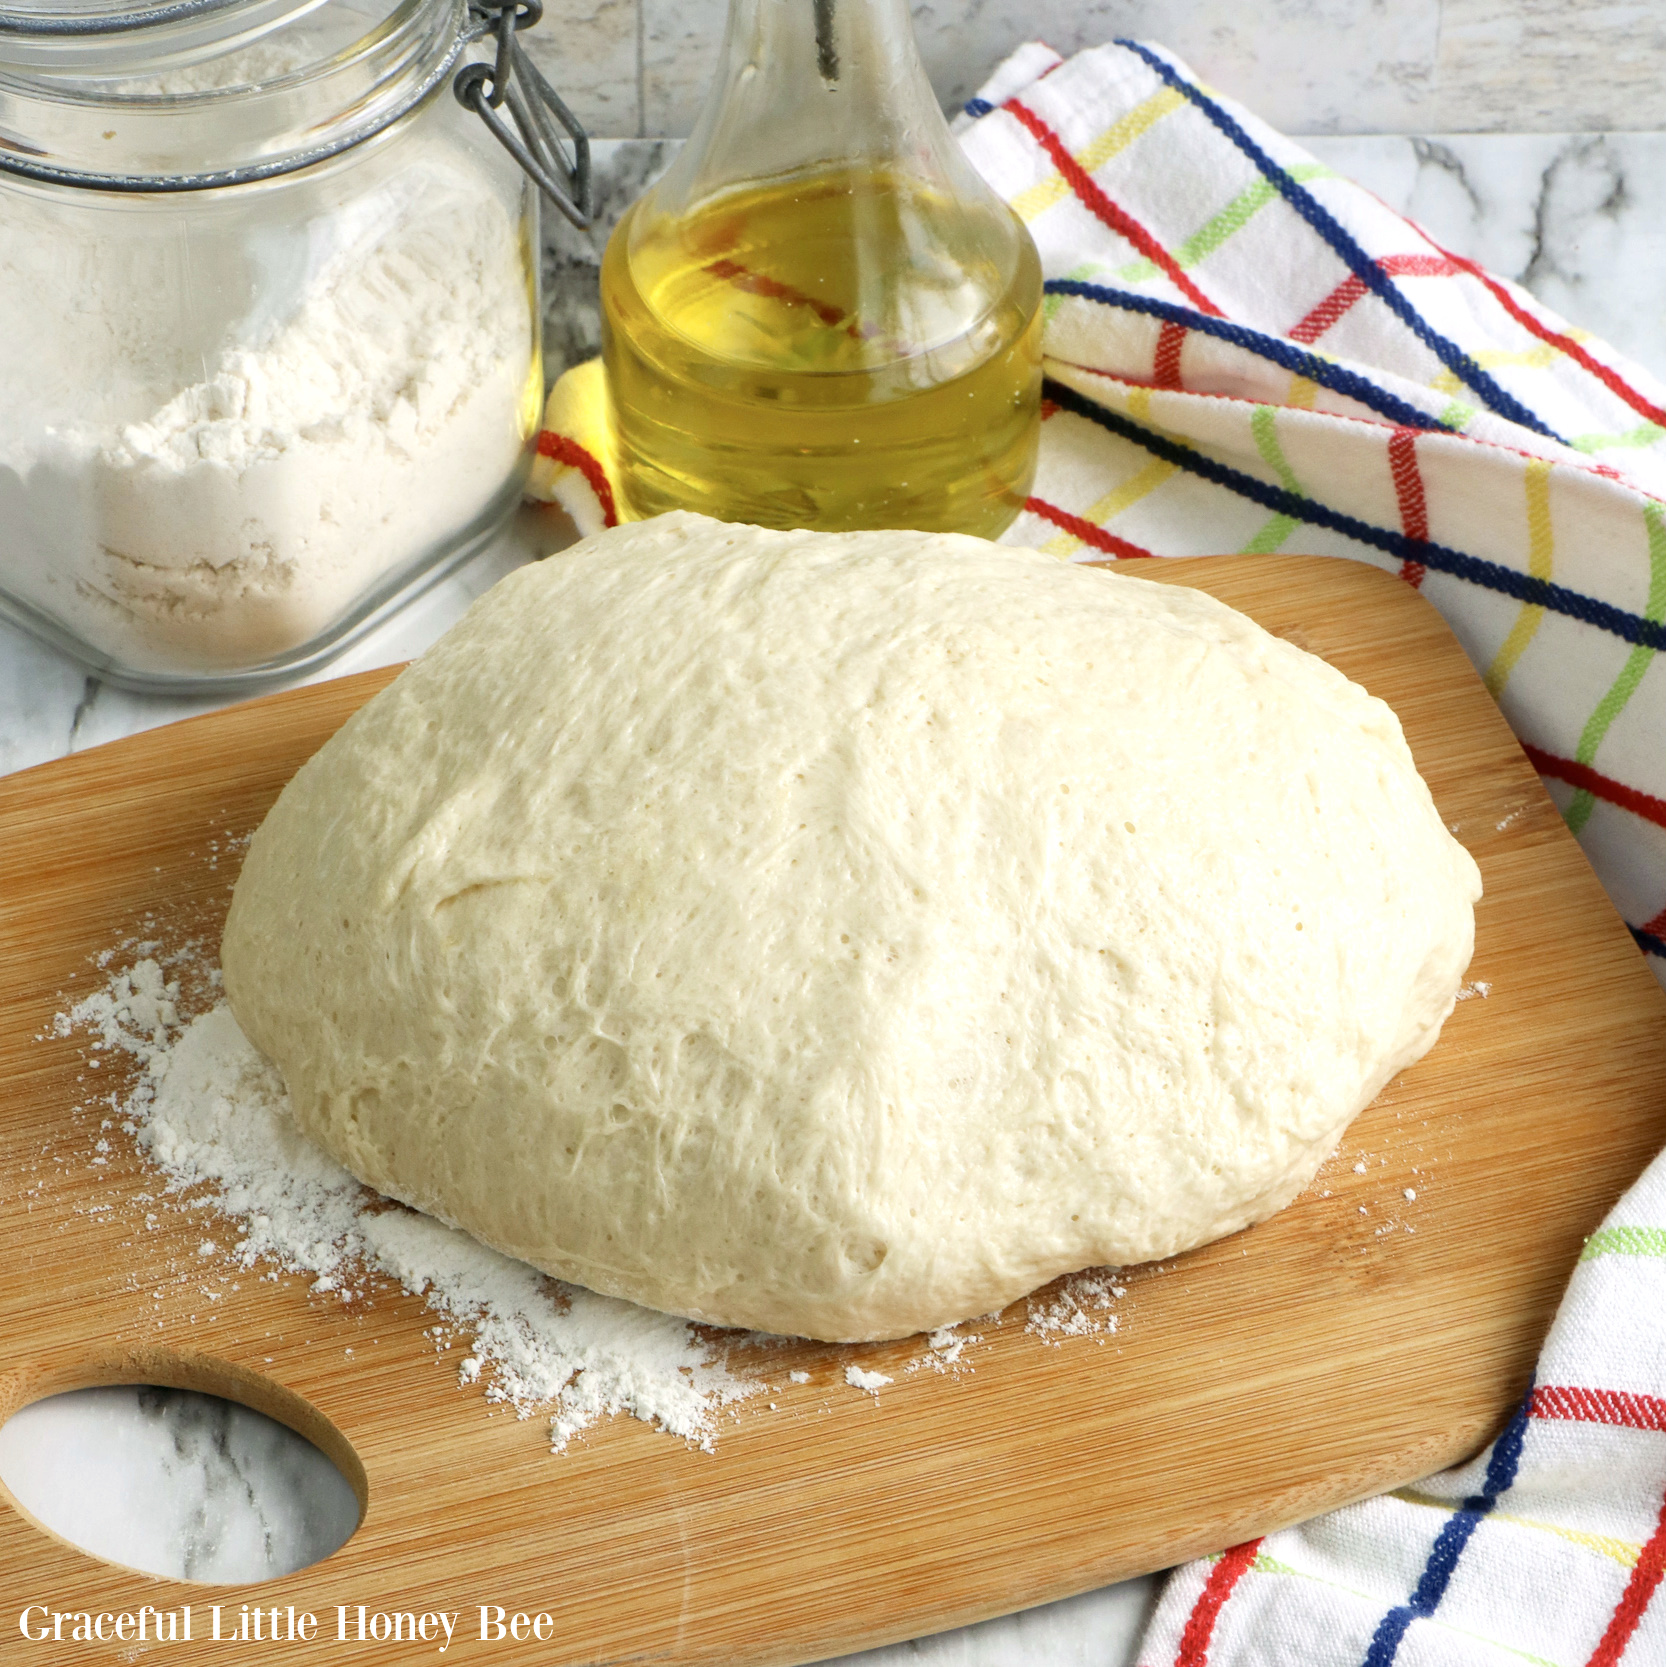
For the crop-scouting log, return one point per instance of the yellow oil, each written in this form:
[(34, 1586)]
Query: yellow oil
[(835, 351)]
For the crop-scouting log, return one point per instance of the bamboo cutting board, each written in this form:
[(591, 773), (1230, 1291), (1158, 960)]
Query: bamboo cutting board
[(1356, 1341)]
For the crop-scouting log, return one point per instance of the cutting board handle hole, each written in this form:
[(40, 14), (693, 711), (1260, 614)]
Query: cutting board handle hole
[(178, 1465)]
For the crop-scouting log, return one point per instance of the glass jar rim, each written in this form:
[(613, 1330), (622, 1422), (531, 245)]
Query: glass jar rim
[(49, 19), (56, 39), (355, 92)]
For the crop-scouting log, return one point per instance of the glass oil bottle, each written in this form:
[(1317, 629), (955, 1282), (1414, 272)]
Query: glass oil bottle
[(821, 316)]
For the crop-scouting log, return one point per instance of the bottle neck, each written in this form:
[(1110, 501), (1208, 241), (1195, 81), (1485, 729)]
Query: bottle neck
[(813, 86)]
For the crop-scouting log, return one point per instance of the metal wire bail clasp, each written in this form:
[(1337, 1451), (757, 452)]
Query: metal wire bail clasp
[(513, 79)]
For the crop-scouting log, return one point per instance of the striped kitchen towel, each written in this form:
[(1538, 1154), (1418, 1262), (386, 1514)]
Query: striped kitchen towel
[(1545, 1549), (1245, 352)]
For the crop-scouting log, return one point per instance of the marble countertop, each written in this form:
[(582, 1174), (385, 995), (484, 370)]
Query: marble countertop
[(187, 1486)]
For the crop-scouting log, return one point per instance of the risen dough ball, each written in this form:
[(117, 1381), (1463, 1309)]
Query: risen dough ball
[(846, 934)]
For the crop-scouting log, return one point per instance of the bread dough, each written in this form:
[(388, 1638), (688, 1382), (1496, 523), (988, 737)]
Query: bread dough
[(846, 934)]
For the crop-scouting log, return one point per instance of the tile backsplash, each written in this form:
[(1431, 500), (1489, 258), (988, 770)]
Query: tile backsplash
[(641, 67)]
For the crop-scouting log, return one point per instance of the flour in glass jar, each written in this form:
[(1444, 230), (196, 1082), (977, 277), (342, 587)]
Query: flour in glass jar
[(187, 493)]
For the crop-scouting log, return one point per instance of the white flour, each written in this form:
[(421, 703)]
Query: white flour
[(212, 1115), (871, 1382), (188, 490), (208, 1109), (1079, 1307)]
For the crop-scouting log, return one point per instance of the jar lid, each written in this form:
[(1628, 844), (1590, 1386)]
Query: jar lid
[(90, 36), (92, 95), (95, 19)]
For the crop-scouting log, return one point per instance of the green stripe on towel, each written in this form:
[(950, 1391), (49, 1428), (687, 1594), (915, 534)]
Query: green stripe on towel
[(1626, 1241)]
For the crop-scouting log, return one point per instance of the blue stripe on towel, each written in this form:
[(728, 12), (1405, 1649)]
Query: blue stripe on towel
[(1451, 1541), (1351, 254), (1523, 587), (1299, 361)]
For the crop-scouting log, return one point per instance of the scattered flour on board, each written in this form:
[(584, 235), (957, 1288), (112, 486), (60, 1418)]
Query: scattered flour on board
[(947, 1344), (1469, 992), (873, 1382), (212, 1114), (1080, 1307)]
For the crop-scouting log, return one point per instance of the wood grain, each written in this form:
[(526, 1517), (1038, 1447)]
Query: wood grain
[(1353, 1342)]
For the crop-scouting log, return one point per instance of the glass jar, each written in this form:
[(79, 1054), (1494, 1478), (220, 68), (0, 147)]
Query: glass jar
[(269, 322)]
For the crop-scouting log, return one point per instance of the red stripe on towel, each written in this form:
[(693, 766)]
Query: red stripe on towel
[(570, 452), (1599, 786), (1321, 319), (1646, 1576), (1201, 1623), (1087, 531), (1409, 494), (1645, 408), (1093, 198), (1166, 356), (1353, 287), (1598, 1406)]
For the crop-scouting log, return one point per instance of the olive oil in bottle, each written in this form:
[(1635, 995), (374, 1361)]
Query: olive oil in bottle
[(821, 317)]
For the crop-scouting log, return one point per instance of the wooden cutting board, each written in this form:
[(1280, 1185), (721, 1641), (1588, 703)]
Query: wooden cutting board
[(1354, 1342)]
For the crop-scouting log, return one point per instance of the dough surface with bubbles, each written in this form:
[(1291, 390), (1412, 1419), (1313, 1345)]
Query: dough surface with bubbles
[(846, 934)]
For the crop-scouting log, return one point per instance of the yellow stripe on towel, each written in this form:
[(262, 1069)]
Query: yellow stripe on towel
[(1537, 484), (1118, 499), (1028, 204)]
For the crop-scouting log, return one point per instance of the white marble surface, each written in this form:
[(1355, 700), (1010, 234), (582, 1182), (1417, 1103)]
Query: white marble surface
[(167, 1483), (641, 67), (176, 1483)]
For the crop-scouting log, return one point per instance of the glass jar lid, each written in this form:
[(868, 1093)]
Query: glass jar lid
[(190, 95), (111, 35)]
